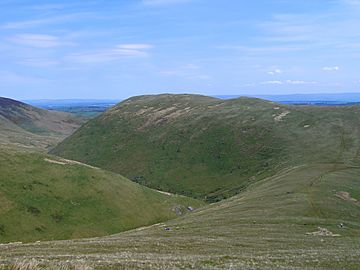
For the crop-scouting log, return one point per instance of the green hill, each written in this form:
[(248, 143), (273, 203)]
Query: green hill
[(25, 125), (211, 148), (296, 169), (43, 197), (304, 217)]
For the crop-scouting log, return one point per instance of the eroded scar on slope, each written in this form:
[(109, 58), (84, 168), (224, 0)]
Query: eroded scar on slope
[(347, 197), (67, 162), (280, 117)]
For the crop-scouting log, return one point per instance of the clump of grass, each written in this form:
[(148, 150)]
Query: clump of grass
[(25, 265), (33, 264)]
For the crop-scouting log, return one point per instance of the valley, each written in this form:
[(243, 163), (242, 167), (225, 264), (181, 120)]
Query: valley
[(269, 226), (26, 126), (268, 186), (210, 148), (179, 134)]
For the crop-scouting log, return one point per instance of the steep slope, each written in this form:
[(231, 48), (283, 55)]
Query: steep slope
[(23, 124), (274, 224), (43, 197), (212, 148)]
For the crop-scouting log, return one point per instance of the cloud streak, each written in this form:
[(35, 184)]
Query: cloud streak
[(25, 24), (38, 41), (121, 51), (275, 71), (39, 62), (163, 2), (287, 82), (335, 68), (8, 77)]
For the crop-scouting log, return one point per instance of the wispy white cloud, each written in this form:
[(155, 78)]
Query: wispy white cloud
[(299, 82), (291, 82), (263, 50), (13, 78), (310, 32), (39, 41), (163, 2), (30, 23), (351, 2), (169, 72), (39, 62), (199, 77), (188, 71), (191, 66), (112, 54), (249, 85), (47, 7), (272, 82), (45, 21), (135, 46), (60, 6), (275, 71), (334, 68)]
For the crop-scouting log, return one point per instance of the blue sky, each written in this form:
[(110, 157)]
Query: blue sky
[(115, 49)]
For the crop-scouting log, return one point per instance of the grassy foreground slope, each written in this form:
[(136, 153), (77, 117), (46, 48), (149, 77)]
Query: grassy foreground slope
[(25, 125), (212, 148), (43, 197), (274, 224)]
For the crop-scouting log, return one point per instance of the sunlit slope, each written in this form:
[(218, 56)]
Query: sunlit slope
[(273, 225), (44, 197), (25, 125), (13, 135), (211, 148)]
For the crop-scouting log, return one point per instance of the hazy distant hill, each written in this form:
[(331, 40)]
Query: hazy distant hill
[(86, 108), (207, 147), (322, 99), (23, 124)]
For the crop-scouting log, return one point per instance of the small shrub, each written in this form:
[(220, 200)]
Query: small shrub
[(57, 217), (33, 210)]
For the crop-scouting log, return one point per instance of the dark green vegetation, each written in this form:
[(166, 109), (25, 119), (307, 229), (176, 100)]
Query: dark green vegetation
[(43, 197), (211, 148), (25, 125), (294, 169), (271, 225)]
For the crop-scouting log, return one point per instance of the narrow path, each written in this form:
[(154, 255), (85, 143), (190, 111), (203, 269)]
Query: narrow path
[(311, 193)]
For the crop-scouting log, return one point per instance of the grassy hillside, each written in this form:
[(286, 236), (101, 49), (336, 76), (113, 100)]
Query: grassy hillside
[(211, 148), (43, 197), (274, 224), (25, 125), (13, 135)]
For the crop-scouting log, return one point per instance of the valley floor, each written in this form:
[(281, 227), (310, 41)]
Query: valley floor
[(298, 219)]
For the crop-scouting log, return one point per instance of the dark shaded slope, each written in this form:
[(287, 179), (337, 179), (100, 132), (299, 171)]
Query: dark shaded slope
[(206, 147), (37, 120), (28, 126)]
